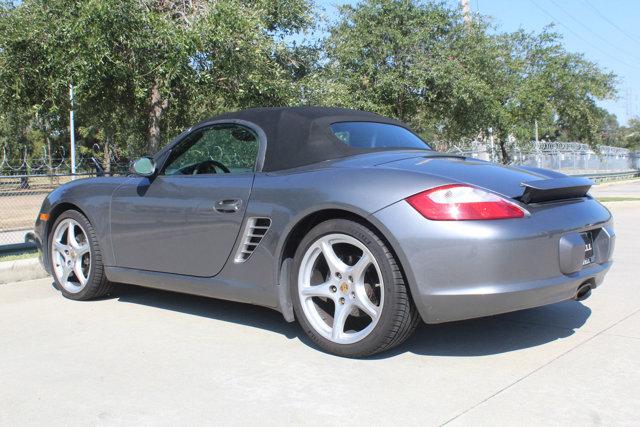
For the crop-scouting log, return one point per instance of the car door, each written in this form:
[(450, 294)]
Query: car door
[(185, 220)]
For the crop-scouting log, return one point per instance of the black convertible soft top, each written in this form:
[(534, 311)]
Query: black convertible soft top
[(298, 136)]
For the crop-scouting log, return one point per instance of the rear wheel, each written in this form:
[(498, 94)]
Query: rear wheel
[(76, 260), (350, 296)]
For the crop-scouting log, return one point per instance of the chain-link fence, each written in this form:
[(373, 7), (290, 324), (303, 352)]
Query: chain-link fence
[(20, 199), (25, 183), (572, 158), (51, 165)]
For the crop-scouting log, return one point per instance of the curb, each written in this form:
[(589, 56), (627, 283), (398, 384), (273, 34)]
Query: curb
[(21, 270)]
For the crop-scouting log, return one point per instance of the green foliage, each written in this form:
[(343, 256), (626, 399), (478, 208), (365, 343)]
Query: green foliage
[(539, 80), (631, 135), (409, 60), (199, 58), (421, 63), (143, 70)]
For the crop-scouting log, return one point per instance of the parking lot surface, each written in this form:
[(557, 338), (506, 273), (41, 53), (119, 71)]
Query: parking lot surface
[(151, 357)]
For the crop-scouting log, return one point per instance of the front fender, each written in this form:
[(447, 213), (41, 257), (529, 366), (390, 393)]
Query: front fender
[(90, 196)]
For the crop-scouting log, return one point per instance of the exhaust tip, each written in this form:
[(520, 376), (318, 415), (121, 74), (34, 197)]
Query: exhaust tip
[(583, 292)]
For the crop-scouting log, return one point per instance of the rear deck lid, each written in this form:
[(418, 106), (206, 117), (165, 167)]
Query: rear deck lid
[(504, 180)]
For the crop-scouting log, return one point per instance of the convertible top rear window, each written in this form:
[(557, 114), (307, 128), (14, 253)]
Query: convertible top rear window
[(376, 135)]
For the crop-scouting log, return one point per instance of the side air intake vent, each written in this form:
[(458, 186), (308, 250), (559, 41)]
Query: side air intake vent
[(254, 231)]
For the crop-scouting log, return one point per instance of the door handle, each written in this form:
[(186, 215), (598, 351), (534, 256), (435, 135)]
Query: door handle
[(228, 205)]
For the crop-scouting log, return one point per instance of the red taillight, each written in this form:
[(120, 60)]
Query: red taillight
[(463, 202)]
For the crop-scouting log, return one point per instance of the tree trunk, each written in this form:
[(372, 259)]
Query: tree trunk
[(398, 107), (156, 108), (47, 138), (49, 160), (502, 141), (505, 154), (107, 154)]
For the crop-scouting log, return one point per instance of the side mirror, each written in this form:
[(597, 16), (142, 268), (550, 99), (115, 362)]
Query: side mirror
[(144, 166)]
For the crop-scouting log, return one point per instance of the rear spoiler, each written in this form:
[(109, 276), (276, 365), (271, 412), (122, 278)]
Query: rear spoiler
[(546, 190)]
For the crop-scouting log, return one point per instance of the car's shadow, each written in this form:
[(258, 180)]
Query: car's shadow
[(498, 334), (475, 337)]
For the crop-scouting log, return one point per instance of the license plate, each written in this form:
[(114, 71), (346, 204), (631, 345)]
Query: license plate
[(588, 248)]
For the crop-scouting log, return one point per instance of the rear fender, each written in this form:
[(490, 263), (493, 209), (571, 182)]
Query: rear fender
[(285, 258)]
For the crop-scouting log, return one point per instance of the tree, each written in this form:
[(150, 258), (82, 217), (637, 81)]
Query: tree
[(537, 79), (31, 95), (145, 69), (420, 63), (610, 131), (631, 136), (411, 60)]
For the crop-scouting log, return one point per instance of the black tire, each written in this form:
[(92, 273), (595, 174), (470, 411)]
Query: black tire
[(97, 284), (399, 317)]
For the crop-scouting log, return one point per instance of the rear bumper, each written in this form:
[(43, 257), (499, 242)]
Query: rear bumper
[(465, 269), (503, 298)]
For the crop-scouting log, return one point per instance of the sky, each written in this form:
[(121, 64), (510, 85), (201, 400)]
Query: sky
[(606, 31)]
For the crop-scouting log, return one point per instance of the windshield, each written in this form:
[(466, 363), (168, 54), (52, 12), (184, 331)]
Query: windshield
[(376, 135)]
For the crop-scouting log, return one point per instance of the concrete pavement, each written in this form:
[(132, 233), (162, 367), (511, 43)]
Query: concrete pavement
[(158, 358)]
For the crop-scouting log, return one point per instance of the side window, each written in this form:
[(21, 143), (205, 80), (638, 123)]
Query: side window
[(225, 148)]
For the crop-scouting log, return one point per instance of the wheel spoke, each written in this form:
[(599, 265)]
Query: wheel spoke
[(77, 269), (335, 264), (82, 249), (66, 272), (363, 302), (360, 267), (60, 247), (71, 236), (57, 259), (339, 319), (323, 290)]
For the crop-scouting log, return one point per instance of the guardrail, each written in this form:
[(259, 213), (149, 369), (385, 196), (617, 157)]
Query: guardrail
[(611, 176)]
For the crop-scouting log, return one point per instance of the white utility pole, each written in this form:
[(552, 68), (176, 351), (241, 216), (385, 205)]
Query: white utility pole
[(536, 131), (72, 132), (466, 11), (492, 149)]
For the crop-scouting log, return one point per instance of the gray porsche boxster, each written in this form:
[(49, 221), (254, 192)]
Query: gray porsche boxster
[(344, 220)]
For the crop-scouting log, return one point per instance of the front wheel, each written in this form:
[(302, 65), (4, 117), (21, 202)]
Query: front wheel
[(349, 295), (76, 260)]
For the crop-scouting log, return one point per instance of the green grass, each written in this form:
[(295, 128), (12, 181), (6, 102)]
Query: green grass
[(19, 255), (618, 199)]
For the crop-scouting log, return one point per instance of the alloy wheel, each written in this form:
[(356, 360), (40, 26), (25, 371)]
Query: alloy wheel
[(71, 255), (340, 288)]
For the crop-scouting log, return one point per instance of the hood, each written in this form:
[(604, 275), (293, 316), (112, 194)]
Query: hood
[(500, 179)]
